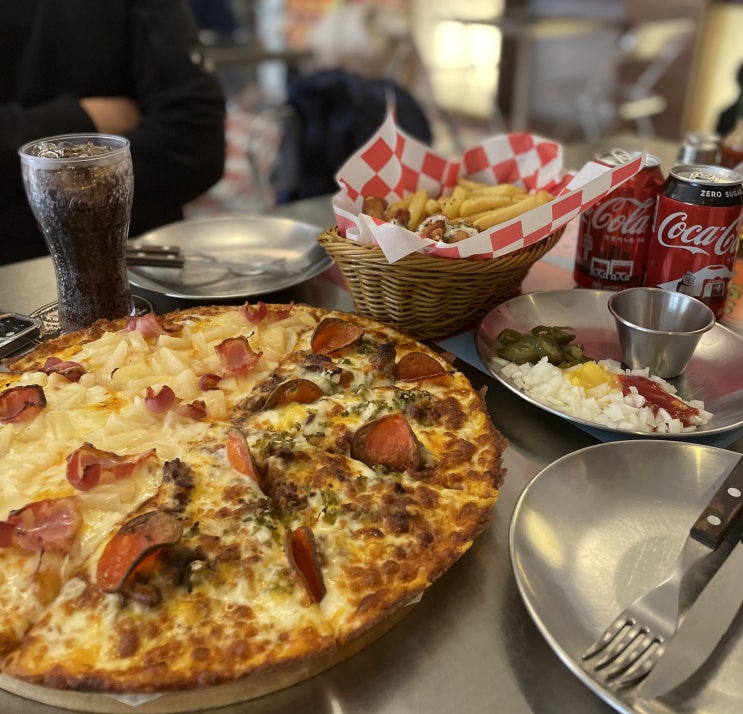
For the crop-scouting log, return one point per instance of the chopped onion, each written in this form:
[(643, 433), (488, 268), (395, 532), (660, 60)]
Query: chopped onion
[(604, 404)]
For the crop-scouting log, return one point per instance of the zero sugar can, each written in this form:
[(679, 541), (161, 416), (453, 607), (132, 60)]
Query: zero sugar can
[(696, 231), (613, 235)]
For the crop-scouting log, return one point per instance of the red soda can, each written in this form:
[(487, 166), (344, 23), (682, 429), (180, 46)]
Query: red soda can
[(613, 236), (696, 231)]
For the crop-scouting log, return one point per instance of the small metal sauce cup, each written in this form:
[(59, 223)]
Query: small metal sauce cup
[(659, 329)]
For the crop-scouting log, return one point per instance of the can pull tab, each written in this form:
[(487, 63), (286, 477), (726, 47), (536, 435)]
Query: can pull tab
[(622, 156)]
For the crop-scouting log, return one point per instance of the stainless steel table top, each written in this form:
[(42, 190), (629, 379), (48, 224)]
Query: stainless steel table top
[(469, 645)]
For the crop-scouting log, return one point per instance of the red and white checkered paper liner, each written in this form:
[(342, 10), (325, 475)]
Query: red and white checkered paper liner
[(393, 164)]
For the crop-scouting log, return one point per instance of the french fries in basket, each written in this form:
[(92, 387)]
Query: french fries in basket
[(472, 206)]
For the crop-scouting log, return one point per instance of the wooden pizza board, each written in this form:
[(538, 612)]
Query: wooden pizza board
[(222, 695)]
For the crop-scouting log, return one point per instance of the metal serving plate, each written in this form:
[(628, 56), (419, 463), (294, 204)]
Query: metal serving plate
[(713, 375), (597, 528), (251, 240)]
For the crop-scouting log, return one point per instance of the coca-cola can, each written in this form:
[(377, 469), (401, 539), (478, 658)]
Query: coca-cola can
[(696, 231), (613, 235), (699, 147)]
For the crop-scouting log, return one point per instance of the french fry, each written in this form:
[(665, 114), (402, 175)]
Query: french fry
[(500, 189), (451, 206), (433, 205), (469, 184), (404, 202), (472, 202), (478, 204), (544, 197), (476, 216), (499, 215), (417, 208)]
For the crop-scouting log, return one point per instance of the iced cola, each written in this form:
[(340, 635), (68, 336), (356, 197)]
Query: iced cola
[(80, 188)]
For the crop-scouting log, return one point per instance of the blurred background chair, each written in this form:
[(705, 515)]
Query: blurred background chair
[(622, 89)]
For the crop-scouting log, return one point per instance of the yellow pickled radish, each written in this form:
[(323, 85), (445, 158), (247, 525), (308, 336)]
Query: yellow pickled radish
[(589, 374)]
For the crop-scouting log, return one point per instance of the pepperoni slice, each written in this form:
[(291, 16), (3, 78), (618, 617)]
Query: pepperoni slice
[(301, 391), (132, 543), (334, 334), (49, 524), (301, 552), (415, 366), (388, 441), (22, 403), (239, 455)]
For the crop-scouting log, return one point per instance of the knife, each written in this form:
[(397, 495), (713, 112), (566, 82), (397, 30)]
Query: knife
[(167, 256), (162, 258), (701, 629)]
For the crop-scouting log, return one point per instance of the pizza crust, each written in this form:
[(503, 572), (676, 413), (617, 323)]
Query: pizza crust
[(223, 695)]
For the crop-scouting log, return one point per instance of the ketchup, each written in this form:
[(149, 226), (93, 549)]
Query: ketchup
[(657, 398)]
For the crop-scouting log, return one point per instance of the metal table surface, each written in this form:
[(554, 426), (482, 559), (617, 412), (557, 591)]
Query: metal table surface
[(470, 644)]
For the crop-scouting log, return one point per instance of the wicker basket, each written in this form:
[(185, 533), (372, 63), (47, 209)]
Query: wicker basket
[(428, 296)]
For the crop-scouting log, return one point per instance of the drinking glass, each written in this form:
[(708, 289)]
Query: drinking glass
[(80, 189)]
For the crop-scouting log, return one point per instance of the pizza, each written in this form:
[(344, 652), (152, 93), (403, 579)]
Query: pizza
[(202, 497)]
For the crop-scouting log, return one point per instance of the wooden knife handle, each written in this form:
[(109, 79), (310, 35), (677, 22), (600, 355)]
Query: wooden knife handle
[(722, 510)]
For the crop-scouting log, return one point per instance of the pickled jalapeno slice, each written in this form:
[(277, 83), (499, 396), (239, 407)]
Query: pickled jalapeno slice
[(561, 335), (548, 347), (509, 336), (521, 351), (554, 343)]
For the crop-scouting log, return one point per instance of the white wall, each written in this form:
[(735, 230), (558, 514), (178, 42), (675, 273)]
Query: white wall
[(461, 57)]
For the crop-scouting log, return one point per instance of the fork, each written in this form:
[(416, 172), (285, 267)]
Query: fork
[(635, 640)]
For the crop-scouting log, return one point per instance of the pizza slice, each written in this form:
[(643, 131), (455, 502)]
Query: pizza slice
[(390, 483), (378, 544), (50, 521), (195, 587)]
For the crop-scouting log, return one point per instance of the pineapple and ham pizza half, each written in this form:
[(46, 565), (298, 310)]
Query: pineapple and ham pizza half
[(206, 496)]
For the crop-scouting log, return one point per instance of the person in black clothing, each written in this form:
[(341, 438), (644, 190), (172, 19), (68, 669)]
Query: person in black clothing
[(127, 67), (337, 112)]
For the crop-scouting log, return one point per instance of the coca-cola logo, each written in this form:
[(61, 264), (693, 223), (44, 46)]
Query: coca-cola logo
[(675, 231), (623, 216)]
